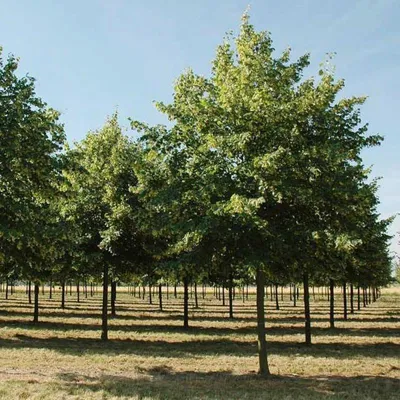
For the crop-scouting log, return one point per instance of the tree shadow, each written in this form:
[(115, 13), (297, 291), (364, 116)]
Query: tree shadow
[(213, 347), (163, 383)]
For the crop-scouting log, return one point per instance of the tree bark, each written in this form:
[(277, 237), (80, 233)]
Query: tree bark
[(276, 297), (294, 296), (331, 303), (78, 294), (307, 309), (358, 299), (344, 301), (63, 295), (104, 324), (150, 295), (36, 305), (160, 296), (230, 297), (196, 299), (113, 297), (51, 290), (262, 343), (30, 292), (351, 299), (185, 303)]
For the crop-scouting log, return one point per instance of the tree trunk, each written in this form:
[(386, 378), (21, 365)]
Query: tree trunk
[(160, 296), (185, 303), (104, 324), (175, 291), (351, 299), (63, 295), (6, 290), (78, 294), (294, 296), (51, 290), (276, 297), (344, 301), (307, 309), (196, 300), (223, 294), (358, 299), (113, 297), (332, 303), (230, 297), (150, 295), (36, 305), (262, 343), (30, 292), (167, 291)]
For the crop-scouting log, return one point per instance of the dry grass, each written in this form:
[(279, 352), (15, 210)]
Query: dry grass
[(149, 355)]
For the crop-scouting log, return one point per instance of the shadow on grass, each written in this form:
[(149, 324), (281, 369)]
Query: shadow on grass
[(183, 349), (162, 383), (151, 327)]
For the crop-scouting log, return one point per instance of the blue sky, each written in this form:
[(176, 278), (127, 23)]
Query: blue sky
[(92, 56)]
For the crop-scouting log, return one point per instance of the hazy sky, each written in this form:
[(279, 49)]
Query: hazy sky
[(92, 56)]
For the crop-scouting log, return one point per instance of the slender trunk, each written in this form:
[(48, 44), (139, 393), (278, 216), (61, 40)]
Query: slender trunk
[(104, 325), (150, 295), (271, 294), (113, 297), (276, 297), (196, 300), (43, 289), (36, 305), (294, 296), (70, 288), (369, 295), (167, 291), (332, 303), (373, 295), (51, 290), (175, 291), (290, 292), (143, 292), (281, 293), (351, 299), (364, 298), (230, 297), (63, 295), (160, 296), (30, 292), (344, 301), (307, 309), (262, 343), (6, 290), (358, 298), (185, 303), (247, 292), (243, 293), (78, 295)]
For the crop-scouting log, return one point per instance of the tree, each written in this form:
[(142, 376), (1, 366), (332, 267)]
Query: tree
[(257, 165), (31, 139), (102, 205)]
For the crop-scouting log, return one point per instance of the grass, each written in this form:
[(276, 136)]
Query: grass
[(150, 356)]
